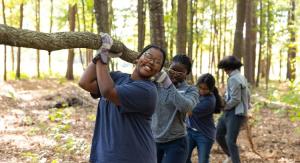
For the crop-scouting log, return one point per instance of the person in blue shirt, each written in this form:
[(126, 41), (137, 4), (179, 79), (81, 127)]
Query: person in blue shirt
[(122, 131), (237, 98), (200, 123), (176, 98)]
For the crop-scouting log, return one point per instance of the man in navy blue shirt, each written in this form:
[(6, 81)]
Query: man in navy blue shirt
[(122, 132)]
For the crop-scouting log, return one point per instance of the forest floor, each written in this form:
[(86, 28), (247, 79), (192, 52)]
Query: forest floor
[(52, 121)]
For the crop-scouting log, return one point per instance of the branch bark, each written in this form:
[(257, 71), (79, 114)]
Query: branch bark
[(59, 40)]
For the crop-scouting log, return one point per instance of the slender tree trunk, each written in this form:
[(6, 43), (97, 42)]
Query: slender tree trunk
[(292, 48), (141, 24), (280, 64), (269, 46), (50, 30), (5, 53), (12, 48), (172, 34), (79, 49), (210, 51), (249, 57), (181, 36), (18, 74), (157, 28), (191, 24), (72, 18), (261, 37), (89, 53), (220, 41), (12, 58), (238, 36), (37, 20), (215, 36), (224, 39), (191, 33)]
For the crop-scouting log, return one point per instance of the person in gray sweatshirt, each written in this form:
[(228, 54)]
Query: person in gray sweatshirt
[(176, 98), (237, 98)]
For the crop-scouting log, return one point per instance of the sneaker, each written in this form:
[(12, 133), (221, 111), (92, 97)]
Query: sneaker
[(228, 160)]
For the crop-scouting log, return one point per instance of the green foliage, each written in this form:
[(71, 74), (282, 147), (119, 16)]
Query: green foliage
[(32, 157), (290, 98), (11, 75)]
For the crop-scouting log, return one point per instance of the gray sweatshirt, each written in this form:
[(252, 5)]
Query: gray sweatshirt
[(237, 94), (168, 120)]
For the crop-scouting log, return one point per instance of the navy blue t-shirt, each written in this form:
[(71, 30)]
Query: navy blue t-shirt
[(202, 117), (122, 133)]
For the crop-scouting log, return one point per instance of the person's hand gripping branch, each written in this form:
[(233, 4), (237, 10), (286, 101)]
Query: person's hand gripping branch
[(163, 79), (103, 53)]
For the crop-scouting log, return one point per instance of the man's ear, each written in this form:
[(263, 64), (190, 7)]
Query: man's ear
[(135, 61)]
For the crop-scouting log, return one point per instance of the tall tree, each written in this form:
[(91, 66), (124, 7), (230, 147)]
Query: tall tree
[(141, 24), (239, 28), (72, 20), (101, 12), (18, 74), (37, 27), (157, 28), (5, 55), (181, 36), (292, 47), (250, 44)]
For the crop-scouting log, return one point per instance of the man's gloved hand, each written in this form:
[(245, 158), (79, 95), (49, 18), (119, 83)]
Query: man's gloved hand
[(163, 79), (102, 52)]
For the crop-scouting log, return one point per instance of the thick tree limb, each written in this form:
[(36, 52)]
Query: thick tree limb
[(59, 40)]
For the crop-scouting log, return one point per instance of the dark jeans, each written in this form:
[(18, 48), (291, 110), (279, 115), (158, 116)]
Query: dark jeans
[(228, 129), (172, 152), (203, 144)]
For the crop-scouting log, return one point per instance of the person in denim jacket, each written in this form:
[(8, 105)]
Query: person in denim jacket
[(237, 99)]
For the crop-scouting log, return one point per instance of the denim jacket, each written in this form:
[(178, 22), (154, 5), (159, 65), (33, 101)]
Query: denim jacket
[(237, 94)]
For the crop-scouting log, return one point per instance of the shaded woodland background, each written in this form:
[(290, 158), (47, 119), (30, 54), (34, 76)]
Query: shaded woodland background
[(46, 117)]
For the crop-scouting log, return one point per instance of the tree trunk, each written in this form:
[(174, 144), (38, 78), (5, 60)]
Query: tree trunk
[(60, 40), (181, 36), (292, 48), (37, 20), (5, 54), (261, 37), (18, 72), (50, 30), (101, 13), (191, 31), (238, 35), (269, 45), (72, 20), (157, 28), (219, 50), (224, 38), (250, 45), (110, 16), (172, 33), (141, 24)]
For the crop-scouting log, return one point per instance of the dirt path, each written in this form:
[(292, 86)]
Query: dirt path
[(50, 121)]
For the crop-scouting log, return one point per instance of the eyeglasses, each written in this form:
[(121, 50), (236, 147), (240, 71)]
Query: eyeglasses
[(149, 57), (177, 73)]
